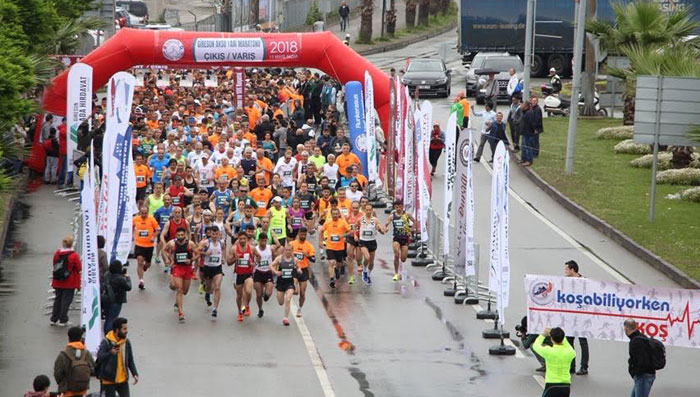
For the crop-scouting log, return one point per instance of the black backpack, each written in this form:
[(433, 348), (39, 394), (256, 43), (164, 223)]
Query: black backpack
[(107, 296), (657, 354), (60, 267)]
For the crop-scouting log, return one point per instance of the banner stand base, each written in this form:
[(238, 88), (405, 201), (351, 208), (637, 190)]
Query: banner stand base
[(412, 253), (466, 300), (379, 204), (494, 333), (502, 350), (388, 209), (449, 292), (439, 275), (413, 246), (421, 261), (486, 315)]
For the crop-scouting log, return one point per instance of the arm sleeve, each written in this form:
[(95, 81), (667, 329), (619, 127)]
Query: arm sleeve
[(540, 348), (59, 372), (131, 364)]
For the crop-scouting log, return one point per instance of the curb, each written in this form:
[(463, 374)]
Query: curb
[(5, 225), (408, 41), (620, 238)]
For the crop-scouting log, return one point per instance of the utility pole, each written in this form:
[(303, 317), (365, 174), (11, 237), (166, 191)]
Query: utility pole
[(383, 16), (529, 36), (576, 83)]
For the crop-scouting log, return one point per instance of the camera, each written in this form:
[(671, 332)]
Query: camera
[(521, 329)]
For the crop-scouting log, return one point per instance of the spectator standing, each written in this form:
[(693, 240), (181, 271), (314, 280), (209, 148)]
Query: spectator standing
[(528, 133), (498, 133), (558, 357), (571, 270), (74, 366), (120, 284), (51, 148), (115, 360), (515, 116), (491, 91), (538, 127), (489, 117), (639, 363), (41, 387), (102, 258), (46, 128), (459, 110), (512, 83), (437, 144), (66, 279), (62, 153), (344, 12)]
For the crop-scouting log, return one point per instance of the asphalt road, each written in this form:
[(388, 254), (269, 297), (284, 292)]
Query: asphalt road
[(390, 339)]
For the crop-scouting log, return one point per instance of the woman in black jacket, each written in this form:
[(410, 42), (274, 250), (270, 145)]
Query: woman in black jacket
[(120, 283)]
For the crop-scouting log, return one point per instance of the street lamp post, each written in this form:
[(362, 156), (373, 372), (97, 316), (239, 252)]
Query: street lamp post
[(576, 85)]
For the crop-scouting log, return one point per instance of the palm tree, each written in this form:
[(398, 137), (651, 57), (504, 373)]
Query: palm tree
[(588, 80), (366, 21), (411, 6), (71, 34), (641, 27), (424, 12), (391, 18)]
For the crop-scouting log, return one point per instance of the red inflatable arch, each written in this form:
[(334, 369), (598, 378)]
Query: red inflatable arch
[(202, 50)]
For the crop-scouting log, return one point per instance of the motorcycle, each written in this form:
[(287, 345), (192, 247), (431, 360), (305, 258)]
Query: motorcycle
[(556, 105)]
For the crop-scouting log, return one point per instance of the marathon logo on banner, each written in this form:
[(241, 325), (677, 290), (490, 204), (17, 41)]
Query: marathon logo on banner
[(246, 49), (597, 309)]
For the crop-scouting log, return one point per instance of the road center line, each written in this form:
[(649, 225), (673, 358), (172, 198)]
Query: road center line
[(313, 354)]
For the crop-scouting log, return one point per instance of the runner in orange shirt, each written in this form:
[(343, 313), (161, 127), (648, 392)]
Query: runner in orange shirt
[(335, 231), (345, 159), (261, 195), (143, 177), (304, 253), (225, 171), (145, 228)]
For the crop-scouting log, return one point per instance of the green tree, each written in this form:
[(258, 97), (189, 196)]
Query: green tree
[(411, 6), (641, 27), (391, 18), (424, 13)]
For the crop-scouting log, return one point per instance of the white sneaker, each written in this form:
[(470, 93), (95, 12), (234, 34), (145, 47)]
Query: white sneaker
[(299, 312)]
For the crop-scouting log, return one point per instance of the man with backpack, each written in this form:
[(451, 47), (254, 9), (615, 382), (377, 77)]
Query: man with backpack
[(115, 360), (647, 355), (74, 366), (66, 279)]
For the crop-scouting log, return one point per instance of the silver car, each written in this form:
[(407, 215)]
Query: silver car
[(501, 61)]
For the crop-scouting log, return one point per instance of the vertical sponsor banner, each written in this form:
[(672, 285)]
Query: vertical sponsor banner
[(399, 142), (597, 309), (461, 198), (120, 199), (356, 121), (409, 174), (238, 87), (78, 104), (370, 132), (470, 266), (115, 153), (499, 266), (450, 173), (427, 120), (422, 189), (390, 157), (90, 315)]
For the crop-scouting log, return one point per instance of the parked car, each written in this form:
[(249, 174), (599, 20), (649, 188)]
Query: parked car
[(122, 18), (137, 9), (429, 75), (501, 61)]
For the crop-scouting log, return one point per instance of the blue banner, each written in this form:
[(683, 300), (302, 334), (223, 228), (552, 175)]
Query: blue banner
[(356, 121)]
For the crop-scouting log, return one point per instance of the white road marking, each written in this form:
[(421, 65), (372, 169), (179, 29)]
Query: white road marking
[(613, 272), (518, 353), (313, 353), (539, 380)]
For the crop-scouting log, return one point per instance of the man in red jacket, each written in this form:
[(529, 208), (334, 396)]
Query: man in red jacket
[(62, 152), (66, 279)]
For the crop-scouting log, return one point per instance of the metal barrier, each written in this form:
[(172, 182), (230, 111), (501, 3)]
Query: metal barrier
[(464, 289)]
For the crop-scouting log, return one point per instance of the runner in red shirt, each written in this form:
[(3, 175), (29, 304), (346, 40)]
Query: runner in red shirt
[(244, 257), (180, 254)]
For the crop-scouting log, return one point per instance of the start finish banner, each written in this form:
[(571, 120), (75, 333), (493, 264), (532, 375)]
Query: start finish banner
[(597, 309), (245, 49)]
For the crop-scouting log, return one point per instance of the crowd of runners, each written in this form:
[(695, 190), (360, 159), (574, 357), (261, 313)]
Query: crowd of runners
[(249, 188)]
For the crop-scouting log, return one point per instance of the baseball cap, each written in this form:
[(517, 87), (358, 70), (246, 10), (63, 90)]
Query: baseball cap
[(277, 199)]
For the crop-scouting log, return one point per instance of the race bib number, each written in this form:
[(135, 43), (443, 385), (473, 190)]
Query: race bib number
[(304, 204), (398, 224), (143, 233), (277, 231), (299, 255), (214, 259), (344, 211), (367, 233), (296, 221), (286, 273), (140, 179), (335, 238), (243, 262), (159, 174), (287, 173), (176, 200), (264, 263), (261, 204), (181, 257), (165, 218)]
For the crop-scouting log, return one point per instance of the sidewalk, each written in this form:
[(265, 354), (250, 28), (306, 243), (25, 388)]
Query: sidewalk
[(354, 25)]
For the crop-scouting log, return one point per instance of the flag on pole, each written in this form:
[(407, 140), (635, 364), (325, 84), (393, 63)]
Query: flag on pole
[(450, 173), (408, 167), (78, 105), (464, 199), (471, 255), (370, 131), (499, 266), (90, 309)]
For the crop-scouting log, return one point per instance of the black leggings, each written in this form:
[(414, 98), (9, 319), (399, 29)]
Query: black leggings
[(556, 390), (122, 389)]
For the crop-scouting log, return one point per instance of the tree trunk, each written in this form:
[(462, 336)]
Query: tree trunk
[(628, 110), (434, 7), (366, 21), (424, 13), (444, 6), (254, 12), (588, 87), (391, 18), (411, 13)]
